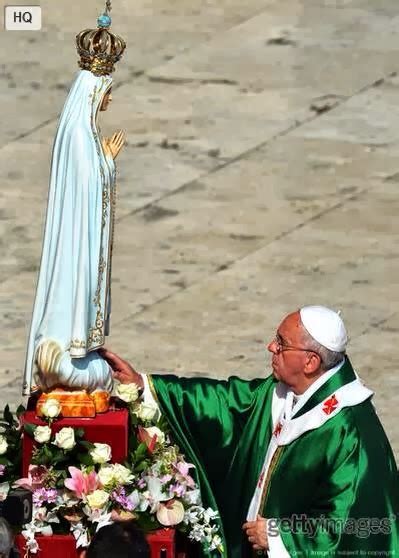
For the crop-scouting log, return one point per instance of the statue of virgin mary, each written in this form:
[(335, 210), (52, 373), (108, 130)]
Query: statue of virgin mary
[(72, 305)]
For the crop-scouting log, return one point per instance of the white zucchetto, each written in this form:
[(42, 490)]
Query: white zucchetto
[(325, 326)]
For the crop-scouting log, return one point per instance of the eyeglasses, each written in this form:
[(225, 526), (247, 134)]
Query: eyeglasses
[(281, 347)]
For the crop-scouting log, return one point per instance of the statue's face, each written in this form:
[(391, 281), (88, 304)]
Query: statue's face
[(107, 99)]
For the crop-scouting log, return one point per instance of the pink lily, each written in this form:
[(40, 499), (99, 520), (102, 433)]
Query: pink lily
[(183, 468), (81, 483)]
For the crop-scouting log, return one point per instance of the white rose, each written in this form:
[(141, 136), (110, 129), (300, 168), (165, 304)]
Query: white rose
[(106, 475), (97, 499), (65, 438), (3, 445), (155, 431), (115, 474), (128, 392), (122, 474), (42, 434), (146, 411), (51, 408), (101, 453)]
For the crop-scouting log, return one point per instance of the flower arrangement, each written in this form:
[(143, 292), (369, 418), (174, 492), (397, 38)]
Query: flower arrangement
[(76, 488)]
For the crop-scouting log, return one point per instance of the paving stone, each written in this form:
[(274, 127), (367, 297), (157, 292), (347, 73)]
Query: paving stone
[(39, 67)]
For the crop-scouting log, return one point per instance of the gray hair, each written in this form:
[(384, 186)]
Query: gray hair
[(6, 538), (328, 358)]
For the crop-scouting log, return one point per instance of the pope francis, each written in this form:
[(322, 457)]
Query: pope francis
[(297, 463)]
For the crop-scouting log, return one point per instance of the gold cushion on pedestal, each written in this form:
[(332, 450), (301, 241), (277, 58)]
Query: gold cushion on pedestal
[(78, 404)]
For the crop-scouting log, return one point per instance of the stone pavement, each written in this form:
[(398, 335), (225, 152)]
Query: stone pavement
[(261, 174)]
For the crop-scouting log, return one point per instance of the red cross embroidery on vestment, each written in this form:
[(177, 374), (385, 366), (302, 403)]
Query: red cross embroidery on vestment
[(330, 405), (278, 429), (261, 479)]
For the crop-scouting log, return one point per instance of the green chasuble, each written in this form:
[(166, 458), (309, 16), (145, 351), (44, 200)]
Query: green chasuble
[(325, 477)]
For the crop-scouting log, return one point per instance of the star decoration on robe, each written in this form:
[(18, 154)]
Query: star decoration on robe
[(278, 429), (330, 405)]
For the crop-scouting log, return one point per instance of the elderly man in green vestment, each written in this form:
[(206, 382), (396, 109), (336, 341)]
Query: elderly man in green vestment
[(297, 463)]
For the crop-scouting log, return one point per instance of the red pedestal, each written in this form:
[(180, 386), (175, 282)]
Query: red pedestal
[(60, 546), (108, 428), (162, 545)]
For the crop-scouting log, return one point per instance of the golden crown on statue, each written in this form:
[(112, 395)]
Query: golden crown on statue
[(99, 49)]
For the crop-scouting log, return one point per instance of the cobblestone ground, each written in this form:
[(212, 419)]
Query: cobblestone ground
[(261, 174)]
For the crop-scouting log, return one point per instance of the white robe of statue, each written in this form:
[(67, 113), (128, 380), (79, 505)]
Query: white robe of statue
[(71, 309)]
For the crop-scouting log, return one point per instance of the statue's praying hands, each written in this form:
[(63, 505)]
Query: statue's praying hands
[(114, 144)]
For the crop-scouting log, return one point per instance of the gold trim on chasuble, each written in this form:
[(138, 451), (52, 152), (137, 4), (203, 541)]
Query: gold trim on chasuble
[(272, 468), (152, 389), (265, 492)]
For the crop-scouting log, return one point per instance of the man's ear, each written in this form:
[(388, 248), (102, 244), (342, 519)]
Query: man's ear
[(313, 364)]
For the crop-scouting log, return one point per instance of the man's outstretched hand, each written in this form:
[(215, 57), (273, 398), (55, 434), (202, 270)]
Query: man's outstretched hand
[(257, 533), (122, 370)]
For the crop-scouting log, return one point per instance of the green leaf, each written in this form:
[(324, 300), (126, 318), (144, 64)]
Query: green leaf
[(133, 443), (45, 455), (85, 459), (163, 424), (58, 457), (134, 420), (29, 429), (141, 467), (79, 433), (20, 411), (8, 415), (87, 445), (140, 452), (60, 483), (147, 522)]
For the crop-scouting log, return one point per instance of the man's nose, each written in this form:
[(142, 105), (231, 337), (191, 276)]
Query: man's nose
[(272, 346)]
